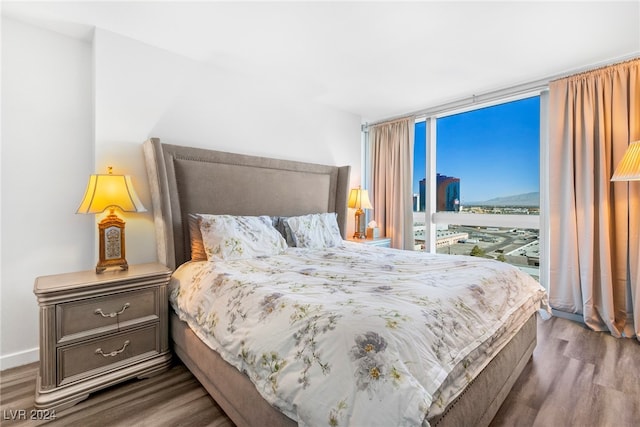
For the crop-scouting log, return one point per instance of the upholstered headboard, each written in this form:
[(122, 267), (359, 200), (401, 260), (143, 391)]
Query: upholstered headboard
[(187, 180)]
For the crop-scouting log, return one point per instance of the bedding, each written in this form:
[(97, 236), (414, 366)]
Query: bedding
[(228, 237), (314, 230), (280, 224), (322, 230), (355, 334), (195, 237)]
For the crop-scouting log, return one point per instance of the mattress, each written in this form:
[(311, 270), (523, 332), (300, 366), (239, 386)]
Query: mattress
[(356, 335)]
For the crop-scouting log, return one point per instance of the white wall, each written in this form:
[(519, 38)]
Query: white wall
[(138, 92), (142, 91), (47, 155)]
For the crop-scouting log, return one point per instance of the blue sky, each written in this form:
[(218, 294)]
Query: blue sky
[(494, 151)]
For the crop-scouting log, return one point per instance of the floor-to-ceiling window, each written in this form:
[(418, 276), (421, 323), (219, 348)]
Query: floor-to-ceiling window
[(477, 183)]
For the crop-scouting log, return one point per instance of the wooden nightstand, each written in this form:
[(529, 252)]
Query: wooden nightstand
[(384, 242), (99, 329)]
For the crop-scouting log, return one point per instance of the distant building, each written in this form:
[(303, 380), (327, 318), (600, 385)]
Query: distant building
[(448, 238), (528, 254), (447, 193)]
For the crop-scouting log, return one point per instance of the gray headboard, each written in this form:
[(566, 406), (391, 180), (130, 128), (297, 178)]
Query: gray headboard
[(187, 180)]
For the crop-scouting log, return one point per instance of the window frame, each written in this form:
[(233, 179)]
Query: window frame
[(541, 222)]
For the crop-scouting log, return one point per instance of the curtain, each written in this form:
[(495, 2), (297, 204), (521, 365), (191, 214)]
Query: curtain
[(595, 223), (391, 175)]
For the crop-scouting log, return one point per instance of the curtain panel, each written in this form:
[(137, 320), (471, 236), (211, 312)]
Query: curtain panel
[(595, 223), (391, 147)]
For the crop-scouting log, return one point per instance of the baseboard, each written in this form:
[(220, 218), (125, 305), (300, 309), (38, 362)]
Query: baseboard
[(8, 361), (569, 316)]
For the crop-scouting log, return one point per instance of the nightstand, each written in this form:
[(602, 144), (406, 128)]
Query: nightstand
[(384, 242), (99, 329)]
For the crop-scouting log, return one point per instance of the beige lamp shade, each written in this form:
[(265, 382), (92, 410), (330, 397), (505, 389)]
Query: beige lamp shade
[(359, 199), (107, 191), (629, 167)]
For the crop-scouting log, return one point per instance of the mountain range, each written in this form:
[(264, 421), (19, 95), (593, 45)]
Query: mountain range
[(526, 199)]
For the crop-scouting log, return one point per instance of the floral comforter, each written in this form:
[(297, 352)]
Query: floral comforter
[(356, 335)]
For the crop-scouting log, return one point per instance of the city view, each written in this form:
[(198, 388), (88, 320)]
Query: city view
[(488, 163), (516, 246)]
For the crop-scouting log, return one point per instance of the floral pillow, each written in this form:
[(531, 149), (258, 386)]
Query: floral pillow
[(228, 237), (315, 231)]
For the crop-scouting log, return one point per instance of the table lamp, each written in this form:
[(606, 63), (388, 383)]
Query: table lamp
[(108, 191), (359, 199)]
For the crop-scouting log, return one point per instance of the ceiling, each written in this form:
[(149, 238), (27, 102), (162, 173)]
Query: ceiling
[(373, 59)]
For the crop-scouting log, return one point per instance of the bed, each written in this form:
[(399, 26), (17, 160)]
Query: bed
[(252, 389)]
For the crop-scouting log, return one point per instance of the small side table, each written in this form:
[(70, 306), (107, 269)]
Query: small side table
[(97, 330), (384, 242)]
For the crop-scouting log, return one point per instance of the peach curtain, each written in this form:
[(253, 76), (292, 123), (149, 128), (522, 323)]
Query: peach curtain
[(392, 172), (595, 223)]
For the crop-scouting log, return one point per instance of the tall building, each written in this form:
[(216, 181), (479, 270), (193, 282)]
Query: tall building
[(447, 193)]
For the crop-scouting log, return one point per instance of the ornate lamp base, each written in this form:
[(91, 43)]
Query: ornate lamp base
[(359, 234), (102, 266), (111, 250)]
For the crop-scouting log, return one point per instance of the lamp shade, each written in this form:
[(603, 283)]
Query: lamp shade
[(359, 199), (106, 191), (629, 167)]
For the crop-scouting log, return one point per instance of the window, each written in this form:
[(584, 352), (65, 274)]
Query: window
[(486, 183)]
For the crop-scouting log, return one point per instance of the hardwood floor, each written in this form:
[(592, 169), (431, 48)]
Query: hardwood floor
[(577, 378), (174, 398)]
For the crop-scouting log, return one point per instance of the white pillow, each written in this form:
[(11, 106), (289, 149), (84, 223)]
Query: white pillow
[(228, 237), (315, 231)]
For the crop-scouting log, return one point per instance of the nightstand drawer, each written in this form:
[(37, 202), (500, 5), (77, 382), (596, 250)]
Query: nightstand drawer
[(95, 356), (82, 318)]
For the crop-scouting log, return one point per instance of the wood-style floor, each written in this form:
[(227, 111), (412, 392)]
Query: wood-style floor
[(577, 378)]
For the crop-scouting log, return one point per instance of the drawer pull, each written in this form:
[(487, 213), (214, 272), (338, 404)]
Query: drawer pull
[(114, 314), (114, 352)]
